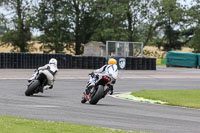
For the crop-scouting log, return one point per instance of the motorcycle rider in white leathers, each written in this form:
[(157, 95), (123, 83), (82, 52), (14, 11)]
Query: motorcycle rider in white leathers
[(111, 68), (50, 70)]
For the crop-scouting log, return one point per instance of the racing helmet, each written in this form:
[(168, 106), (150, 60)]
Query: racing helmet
[(53, 61), (112, 61)]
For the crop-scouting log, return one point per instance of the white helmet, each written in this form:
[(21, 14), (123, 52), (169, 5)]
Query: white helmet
[(53, 61)]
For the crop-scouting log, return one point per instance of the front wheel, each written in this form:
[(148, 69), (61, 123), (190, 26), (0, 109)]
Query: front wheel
[(32, 87), (98, 95), (83, 100)]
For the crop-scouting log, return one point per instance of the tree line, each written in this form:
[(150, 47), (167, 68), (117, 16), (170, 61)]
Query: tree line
[(63, 23)]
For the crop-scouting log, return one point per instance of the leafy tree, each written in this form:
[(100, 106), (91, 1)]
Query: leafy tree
[(136, 14), (112, 19), (53, 21), (19, 36), (194, 26), (195, 41), (167, 24), (3, 2), (3, 24), (84, 16), (63, 23), (122, 20)]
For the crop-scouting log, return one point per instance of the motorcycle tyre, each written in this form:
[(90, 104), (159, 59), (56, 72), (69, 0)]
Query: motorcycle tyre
[(31, 88), (98, 95), (83, 100)]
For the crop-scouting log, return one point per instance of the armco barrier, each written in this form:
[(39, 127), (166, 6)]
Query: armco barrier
[(33, 61)]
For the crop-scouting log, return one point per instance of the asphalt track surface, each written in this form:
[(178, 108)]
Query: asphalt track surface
[(62, 103)]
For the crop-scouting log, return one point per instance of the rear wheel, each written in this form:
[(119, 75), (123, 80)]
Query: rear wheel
[(32, 87), (98, 95)]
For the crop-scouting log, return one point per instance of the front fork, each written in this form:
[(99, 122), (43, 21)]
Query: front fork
[(92, 81)]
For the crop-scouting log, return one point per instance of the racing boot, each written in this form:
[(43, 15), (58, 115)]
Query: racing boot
[(109, 90), (46, 87)]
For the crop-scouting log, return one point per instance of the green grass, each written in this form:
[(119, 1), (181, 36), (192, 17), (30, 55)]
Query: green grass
[(19, 125), (186, 98)]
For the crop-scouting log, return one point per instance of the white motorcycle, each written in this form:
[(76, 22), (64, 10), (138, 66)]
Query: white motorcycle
[(37, 84), (103, 84)]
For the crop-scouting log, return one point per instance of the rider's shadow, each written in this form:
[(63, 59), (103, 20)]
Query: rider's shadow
[(39, 96), (101, 104)]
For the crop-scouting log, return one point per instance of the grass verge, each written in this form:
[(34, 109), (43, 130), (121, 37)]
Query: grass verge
[(19, 125), (186, 98)]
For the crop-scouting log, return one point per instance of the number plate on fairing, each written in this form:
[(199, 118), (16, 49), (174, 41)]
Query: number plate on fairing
[(106, 78)]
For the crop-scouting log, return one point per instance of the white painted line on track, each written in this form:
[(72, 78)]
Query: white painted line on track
[(11, 78), (141, 101), (41, 106), (128, 96)]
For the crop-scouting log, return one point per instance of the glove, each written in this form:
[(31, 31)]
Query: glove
[(92, 74)]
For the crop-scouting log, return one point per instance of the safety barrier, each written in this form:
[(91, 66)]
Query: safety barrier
[(182, 59), (28, 60), (65, 61), (134, 63), (87, 62)]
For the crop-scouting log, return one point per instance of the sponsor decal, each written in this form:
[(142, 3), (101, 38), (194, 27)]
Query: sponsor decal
[(122, 63)]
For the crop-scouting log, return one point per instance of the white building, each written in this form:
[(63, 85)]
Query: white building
[(95, 48)]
